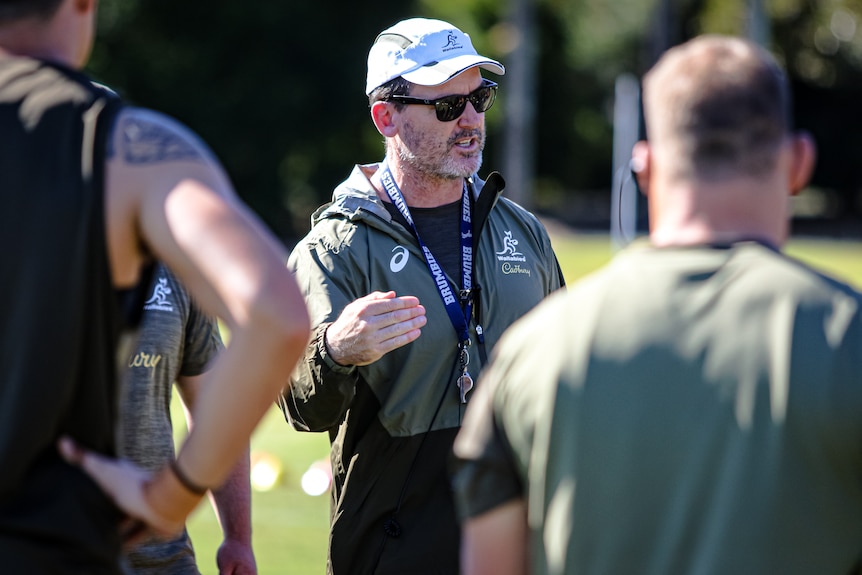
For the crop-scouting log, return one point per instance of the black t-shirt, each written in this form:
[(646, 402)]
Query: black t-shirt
[(440, 230)]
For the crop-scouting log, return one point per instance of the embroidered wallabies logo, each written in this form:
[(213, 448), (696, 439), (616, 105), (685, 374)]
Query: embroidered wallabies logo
[(452, 42), (510, 246), (159, 299)]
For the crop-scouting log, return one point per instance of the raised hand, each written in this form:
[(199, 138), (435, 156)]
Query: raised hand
[(372, 326)]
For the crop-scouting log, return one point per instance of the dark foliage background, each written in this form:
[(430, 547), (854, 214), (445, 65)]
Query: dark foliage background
[(276, 88)]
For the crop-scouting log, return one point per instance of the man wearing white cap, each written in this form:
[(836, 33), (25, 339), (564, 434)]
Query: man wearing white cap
[(411, 274)]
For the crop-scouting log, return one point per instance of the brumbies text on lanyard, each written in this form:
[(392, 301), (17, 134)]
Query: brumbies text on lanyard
[(459, 311)]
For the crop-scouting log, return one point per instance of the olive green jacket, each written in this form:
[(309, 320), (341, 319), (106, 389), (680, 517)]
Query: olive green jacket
[(392, 423)]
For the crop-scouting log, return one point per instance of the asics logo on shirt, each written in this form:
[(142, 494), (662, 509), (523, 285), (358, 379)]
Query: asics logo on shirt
[(159, 300), (399, 260)]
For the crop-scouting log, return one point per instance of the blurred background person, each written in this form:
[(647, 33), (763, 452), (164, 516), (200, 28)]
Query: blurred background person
[(694, 406), (176, 343)]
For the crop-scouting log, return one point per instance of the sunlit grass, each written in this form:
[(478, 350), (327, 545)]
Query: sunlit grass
[(580, 254)]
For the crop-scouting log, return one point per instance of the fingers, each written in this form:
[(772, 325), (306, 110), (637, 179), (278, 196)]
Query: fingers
[(374, 325), (402, 314), (70, 451), (383, 314), (132, 530), (101, 469), (399, 340), (97, 467), (380, 295), (379, 303), (401, 327), (373, 313), (124, 483)]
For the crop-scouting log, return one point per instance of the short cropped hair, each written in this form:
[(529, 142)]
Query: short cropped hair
[(12, 10), (394, 87), (720, 106)]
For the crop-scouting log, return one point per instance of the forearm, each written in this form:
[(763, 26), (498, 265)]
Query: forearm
[(321, 391), (232, 502), (226, 411), (495, 543)]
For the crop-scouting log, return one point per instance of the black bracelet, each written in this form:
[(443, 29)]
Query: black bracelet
[(183, 478)]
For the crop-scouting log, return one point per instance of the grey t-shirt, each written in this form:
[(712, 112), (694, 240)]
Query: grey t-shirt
[(176, 339)]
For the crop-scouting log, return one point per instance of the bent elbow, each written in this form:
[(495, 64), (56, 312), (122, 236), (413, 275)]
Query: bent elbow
[(278, 325), (291, 327)]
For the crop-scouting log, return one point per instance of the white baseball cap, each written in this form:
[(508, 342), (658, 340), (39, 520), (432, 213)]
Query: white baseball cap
[(423, 51)]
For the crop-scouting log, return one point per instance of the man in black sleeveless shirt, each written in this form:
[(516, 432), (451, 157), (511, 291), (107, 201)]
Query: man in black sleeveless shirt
[(91, 192)]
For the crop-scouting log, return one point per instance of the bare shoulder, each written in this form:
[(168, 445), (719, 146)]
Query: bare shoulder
[(151, 152), (149, 158), (144, 137)]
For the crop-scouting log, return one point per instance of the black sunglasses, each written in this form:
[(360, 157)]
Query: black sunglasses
[(450, 108)]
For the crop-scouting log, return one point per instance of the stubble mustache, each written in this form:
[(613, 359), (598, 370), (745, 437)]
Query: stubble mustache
[(463, 135)]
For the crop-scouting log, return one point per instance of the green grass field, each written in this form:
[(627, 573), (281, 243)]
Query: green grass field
[(290, 527)]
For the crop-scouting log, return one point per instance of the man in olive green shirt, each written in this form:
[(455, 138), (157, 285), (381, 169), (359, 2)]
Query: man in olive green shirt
[(693, 407)]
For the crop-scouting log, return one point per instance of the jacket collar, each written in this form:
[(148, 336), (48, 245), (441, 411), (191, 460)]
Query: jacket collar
[(355, 198)]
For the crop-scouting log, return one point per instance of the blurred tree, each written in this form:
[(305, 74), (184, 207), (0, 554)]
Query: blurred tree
[(277, 90), (820, 45)]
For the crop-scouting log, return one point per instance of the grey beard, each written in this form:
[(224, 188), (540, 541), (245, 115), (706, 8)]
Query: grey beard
[(448, 169), (443, 172)]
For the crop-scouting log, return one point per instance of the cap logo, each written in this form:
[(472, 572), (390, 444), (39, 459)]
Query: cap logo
[(423, 51), (452, 43)]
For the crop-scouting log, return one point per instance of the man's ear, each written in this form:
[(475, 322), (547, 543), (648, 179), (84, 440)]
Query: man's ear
[(803, 159), (640, 165), (382, 114)]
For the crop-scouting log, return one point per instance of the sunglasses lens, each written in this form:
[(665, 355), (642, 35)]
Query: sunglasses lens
[(483, 98), (450, 107)]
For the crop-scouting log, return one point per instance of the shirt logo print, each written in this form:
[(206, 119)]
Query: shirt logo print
[(159, 300), (511, 258), (399, 260), (146, 360), (510, 249)]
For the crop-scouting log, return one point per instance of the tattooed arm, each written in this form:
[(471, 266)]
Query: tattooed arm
[(167, 196)]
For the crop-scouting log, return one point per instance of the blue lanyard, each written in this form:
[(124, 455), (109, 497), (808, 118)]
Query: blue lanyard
[(459, 317)]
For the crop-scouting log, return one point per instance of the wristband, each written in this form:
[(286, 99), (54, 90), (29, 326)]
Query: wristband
[(186, 482)]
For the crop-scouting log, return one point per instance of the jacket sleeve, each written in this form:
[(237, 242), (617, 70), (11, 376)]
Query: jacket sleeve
[(320, 390)]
